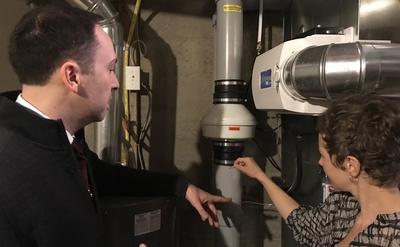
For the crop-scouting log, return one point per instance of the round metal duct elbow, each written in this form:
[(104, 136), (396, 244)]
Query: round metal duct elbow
[(102, 8), (330, 71)]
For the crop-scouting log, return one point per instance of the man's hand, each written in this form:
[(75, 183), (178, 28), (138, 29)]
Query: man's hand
[(203, 202)]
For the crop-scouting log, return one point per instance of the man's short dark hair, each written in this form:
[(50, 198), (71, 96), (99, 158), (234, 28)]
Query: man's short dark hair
[(46, 37), (368, 128)]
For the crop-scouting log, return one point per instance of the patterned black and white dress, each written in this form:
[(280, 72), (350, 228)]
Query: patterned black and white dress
[(329, 223)]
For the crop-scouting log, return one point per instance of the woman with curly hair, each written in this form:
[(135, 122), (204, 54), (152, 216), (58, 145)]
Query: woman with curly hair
[(359, 143)]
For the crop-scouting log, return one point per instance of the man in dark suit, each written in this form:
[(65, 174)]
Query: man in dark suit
[(48, 193)]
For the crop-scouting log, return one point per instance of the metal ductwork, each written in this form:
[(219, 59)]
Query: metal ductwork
[(372, 19), (331, 71)]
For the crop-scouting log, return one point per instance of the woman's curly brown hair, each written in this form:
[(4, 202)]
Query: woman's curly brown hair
[(368, 128)]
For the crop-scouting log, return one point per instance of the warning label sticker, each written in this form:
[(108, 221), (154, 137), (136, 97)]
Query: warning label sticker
[(232, 8)]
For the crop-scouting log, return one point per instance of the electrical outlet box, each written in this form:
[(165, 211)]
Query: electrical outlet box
[(132, 77)]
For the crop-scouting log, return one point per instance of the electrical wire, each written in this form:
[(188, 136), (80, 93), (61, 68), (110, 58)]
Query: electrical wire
[(140, 44), (143, 132), (258, 203), (273, 163), (276, 128), (266, 206), (125, 95), (268, 157), (298, 172)]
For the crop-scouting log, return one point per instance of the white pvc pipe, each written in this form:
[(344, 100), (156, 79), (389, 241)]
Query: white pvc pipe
[(229, 39), (260, 21), (229, 46), (227, 181)]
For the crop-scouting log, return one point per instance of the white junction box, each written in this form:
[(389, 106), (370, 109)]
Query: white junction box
[(132, 77)]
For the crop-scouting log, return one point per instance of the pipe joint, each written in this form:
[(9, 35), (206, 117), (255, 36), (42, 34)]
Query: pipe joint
[(226, 152), (230, 92)]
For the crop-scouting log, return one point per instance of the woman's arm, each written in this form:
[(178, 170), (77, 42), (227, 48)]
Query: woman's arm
[(282, 201)]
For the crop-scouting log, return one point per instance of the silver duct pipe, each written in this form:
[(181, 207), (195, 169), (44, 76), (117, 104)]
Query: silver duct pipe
[(107, 133), (330, 71)]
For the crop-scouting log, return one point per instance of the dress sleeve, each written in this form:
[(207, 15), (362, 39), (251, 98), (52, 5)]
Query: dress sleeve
[(311, 226)]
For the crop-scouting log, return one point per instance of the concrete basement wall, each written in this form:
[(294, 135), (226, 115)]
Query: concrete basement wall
[(10, 12)]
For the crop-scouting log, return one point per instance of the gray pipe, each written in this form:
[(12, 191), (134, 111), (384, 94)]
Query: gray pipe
[(330, 71), (229, 40), (228, 84)]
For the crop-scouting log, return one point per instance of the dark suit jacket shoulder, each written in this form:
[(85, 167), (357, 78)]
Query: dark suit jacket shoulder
[(43, 201)]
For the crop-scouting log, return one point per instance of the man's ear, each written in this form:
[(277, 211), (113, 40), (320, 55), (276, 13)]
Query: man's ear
[(352, 166), (70, 74)]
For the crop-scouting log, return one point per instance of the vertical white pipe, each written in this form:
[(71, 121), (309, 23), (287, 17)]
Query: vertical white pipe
[(229, 39), (229, 42), (227, 181), (260, 21), (260, 26)]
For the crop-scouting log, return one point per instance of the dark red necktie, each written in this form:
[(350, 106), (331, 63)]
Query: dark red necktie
[(83, 163)]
